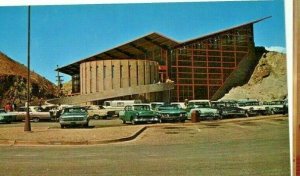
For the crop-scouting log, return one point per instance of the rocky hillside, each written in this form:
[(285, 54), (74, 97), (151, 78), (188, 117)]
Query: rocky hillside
[(268, 81), (13, 79)]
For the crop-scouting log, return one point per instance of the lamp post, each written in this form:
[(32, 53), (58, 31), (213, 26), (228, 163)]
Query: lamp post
[(27, 126)]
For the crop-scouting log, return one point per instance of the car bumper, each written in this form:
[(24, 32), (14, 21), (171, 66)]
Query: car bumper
[(146, 119), (170, 117), (74, 122)]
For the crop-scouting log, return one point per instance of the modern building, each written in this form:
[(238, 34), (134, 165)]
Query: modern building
[(201, 68)]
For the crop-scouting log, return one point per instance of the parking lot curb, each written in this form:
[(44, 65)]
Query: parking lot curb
[(8, 142), (124, 139)]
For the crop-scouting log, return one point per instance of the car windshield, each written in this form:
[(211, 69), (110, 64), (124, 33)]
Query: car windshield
[(168, 107), (218, 105), (141, 107), (74, 110), (249, 103), (155, 105), (38, 109), (277, 102), (198, 105), (231, 105)]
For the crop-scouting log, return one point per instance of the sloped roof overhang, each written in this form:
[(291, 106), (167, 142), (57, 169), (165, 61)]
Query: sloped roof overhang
[(142, 45), (218, 32), (128, 50)]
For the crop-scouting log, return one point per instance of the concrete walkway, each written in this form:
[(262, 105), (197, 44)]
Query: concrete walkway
[(69, 136)]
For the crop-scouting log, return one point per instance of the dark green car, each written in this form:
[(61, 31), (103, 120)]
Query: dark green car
[(139, 113), (172, 113), (6, 117), (74, 116)]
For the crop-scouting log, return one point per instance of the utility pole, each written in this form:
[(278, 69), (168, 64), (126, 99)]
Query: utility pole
[(59, 82), (27, 126)]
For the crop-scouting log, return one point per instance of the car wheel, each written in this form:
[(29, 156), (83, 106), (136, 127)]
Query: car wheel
[(246, 114), (36, 119), (86, 125), (132, 121), (97, 117)]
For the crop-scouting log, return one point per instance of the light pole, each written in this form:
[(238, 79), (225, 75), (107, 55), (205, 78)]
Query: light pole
[(27, 126)]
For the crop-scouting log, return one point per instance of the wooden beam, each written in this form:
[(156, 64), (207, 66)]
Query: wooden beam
[(138, 47), (110, 55), (124, 52), (156, 43)]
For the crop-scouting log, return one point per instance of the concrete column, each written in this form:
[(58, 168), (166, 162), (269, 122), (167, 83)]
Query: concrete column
[(93, 77), (125, 79), (147, 76), (141, 72), (107, 79), (116, 77), (88, 77), (133, 73), (81, 78), (100, 75)]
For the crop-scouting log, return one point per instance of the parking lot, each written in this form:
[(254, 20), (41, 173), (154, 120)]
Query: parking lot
[(246, 146)]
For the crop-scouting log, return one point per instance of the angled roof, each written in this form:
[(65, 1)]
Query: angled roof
[(219, 32), (128, 50), (140, 46)]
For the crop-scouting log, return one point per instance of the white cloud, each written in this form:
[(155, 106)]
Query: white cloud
[(276, 48)]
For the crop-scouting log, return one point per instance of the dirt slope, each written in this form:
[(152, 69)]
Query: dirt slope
[(268, 81), (13, 79)]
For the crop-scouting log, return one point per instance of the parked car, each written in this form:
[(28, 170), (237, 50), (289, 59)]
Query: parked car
[(97, 112), (113, 107), (275, 107), (179, 104), (204, 109), (285, 107), (253, 107), (6, 117), (36, 114), (229, 109), (74, 116), (137, 113), (171, 113), (155, 105)]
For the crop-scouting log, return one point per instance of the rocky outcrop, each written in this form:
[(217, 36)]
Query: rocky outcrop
[(13, 87), (268, 81)]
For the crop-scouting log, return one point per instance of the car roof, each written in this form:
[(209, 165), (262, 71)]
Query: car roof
[(199, 101), (140, 104)]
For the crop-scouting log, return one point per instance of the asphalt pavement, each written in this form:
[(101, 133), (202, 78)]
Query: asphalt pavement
[(255, 147)]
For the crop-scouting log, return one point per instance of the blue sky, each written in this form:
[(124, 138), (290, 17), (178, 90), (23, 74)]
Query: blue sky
[(61, 35)]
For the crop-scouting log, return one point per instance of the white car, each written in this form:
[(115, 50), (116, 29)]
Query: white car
[(204, 109), (36, 114), (97, 112), (275, 107), (253, 107)]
